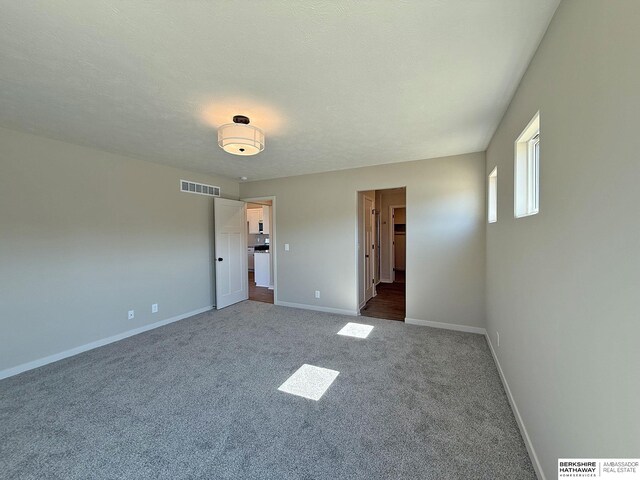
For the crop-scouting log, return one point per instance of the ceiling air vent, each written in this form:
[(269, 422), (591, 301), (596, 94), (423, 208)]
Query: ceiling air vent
[(199, 188)]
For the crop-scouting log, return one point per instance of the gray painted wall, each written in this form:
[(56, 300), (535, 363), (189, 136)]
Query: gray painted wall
[(563, 285), (316, 215), (86, 236)]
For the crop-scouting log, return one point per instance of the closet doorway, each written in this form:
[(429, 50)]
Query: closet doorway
[(398, 242)]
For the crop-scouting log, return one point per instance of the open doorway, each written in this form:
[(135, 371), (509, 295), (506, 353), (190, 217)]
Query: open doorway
[(260, 258), (397, 242), (382, 253)]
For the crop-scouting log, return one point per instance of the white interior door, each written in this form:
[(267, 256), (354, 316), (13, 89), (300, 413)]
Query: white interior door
[(230, 220), (368, 249)]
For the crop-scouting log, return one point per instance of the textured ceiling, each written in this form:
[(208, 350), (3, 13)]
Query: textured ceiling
[(333, 84)]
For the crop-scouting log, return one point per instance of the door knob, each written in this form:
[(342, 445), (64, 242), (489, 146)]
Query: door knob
[(219, 259)]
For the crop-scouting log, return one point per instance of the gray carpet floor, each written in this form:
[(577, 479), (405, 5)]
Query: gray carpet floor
[(199, 399)]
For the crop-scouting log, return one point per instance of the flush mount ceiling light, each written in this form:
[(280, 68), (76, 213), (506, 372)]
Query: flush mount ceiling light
[(240, 138)]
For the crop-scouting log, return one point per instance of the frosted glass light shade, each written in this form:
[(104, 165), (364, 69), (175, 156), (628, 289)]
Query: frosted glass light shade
[(240, 139)]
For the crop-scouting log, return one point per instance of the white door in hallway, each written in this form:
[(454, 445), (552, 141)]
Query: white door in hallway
[(368, 250), (230, 220)]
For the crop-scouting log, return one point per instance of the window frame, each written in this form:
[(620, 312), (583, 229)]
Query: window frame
[(533, 174), (527, 170), (492, 196)]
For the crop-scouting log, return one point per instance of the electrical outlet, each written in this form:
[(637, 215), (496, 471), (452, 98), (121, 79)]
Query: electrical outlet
[(317, 293), (286, 247), (154, 308), (498, 337), (131, 314)]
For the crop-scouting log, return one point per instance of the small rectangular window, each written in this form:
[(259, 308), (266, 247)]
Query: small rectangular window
[(527, 170), (492, 196)]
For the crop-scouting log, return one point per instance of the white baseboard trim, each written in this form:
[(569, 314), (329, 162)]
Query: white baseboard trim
[(523, 430), (446, 326), (10, 372), (385, 280), (318, 308)]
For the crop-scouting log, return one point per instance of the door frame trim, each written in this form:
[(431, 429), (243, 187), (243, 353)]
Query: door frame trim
[(273, 240)]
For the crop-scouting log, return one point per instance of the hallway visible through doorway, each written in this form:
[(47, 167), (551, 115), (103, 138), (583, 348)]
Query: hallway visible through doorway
[(382, 252), (260, 260)]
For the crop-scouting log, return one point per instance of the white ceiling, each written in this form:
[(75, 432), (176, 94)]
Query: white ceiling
[(334, 84)]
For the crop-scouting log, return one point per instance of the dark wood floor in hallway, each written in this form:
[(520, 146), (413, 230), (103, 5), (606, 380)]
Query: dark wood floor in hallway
[(259, 294), (389, 303)]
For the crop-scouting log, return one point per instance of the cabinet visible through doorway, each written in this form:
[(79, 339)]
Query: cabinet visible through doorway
[(258, 219)]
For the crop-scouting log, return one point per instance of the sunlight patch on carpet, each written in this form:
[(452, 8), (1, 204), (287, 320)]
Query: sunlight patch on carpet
[(358, 330), (309, 382)]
